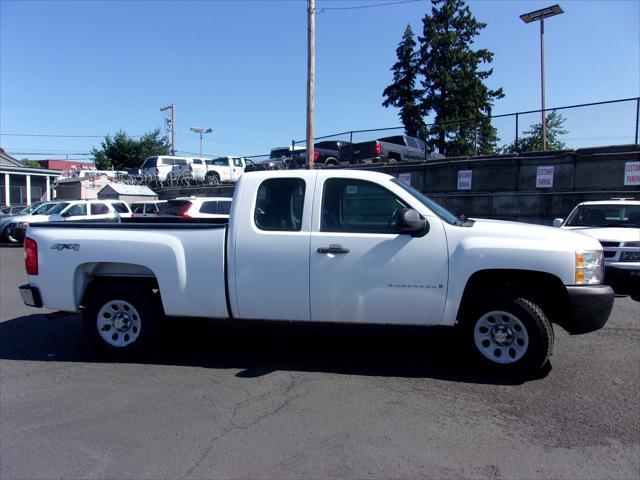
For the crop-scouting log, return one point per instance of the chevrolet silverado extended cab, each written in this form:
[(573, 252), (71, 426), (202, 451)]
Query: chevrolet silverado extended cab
[(326, 246)]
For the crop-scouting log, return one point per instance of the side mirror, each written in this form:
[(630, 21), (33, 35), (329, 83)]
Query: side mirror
[(410, 221), (557, 222)]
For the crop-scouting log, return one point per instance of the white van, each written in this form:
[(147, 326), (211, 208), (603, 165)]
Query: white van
[(164, 166)]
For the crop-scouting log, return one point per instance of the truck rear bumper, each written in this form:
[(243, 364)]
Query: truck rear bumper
[(589, 308), (30, 296)]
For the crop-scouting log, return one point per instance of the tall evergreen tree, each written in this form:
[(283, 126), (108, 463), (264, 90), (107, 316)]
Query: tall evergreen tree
[(453, 81), (402, 93)]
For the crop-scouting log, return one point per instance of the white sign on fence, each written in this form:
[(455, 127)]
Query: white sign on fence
[(464, 179), (544, 177), (405, 177), (632, 173)]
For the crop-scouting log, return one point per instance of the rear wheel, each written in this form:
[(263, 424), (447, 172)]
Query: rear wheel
[(122, 320), (511, 336), (212, 179)]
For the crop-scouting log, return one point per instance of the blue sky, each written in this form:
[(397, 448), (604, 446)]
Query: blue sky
[(239, 67)]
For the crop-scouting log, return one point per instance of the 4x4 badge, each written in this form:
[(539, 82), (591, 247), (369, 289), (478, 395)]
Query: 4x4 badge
[(66, 246)]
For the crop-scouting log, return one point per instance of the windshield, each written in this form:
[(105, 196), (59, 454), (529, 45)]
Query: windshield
[(42, 209), (605, 215), (439, 210), (56, 208)]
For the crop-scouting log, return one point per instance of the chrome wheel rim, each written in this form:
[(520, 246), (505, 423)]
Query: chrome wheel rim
[(118, 323), (501, 337)]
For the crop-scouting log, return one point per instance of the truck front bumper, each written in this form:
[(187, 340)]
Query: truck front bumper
[(30, 296), (588, 309)]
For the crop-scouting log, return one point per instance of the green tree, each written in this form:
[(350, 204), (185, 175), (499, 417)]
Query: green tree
[(30, 163), (121, 152), (402, 93), (532, 139), (453, 81)]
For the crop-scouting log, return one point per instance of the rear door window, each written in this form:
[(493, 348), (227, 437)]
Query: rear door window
[(99, 209), (121, 207), (279, 204), (77, 210), (210, 207), (137, 207)]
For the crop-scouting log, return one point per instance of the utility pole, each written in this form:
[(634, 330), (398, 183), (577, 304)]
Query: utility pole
[(173, 126), (311, 73)]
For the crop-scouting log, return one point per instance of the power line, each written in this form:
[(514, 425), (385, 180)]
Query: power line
[(57, 136), (369, 6)]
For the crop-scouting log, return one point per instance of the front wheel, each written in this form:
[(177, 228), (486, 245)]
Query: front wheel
[(122, 320), (511, 336)]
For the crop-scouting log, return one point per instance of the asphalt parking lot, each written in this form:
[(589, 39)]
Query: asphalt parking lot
[(303, 401)]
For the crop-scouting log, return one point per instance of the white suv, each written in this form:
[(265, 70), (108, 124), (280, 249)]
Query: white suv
[(92, 210), (616, 225), (164, 166)]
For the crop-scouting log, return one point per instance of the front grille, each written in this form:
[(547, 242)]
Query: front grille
[(609, 254)]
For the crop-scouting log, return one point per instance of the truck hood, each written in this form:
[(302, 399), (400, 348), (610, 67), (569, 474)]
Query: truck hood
[(527, 231), (609, 234)]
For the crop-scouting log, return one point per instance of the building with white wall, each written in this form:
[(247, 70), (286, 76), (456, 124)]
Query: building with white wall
[(21, 185)]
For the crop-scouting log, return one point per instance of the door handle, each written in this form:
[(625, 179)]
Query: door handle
[(333, 249)]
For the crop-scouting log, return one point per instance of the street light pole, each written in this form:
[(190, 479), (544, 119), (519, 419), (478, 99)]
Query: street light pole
[(540, 15), (201, 131)]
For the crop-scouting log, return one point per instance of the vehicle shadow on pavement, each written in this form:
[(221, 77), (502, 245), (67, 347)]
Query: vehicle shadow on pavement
[(260, 348), (629, 288)]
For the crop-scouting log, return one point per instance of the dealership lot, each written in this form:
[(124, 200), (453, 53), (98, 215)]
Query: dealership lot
[(267, 401)]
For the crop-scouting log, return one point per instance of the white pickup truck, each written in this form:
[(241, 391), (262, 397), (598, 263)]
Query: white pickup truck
[(326, 246)]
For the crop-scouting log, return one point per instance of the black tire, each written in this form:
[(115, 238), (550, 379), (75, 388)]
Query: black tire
[(331, 162), (212, 179), (144, 324), (512, 336)]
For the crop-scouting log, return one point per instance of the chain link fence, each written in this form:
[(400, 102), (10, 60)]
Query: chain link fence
[(565, 128)]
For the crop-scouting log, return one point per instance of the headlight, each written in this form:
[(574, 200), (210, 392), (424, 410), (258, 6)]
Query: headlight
[(589, 267)]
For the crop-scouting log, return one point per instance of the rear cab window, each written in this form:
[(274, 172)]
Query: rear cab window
[(279, 204)]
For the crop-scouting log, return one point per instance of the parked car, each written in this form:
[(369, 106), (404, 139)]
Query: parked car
[(327, 246), (33, 212), (197, 207), (12, 210), (146, 209), (225, 170), (397, 148), (164, 166), (616, 225), (73, 210)]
